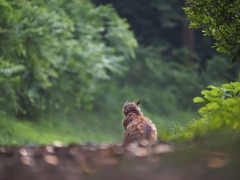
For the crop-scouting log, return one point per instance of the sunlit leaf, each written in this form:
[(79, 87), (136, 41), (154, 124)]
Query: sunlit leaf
[(203, 110), (227, 86), (198, 99), (216, 122)]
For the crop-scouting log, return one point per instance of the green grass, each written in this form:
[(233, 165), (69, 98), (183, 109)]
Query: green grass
[(81, 127), (49, 130), (171, 127)]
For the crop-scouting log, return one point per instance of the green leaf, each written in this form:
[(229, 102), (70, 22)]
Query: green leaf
[(235, 84), (231, 102), (227, 86), (211, 87), (212, 106), (204, 92), (203, 110), (216, 122), (214, 92), (198, 99)]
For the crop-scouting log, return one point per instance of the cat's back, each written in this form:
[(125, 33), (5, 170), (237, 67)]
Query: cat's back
[(137, 127), (140, 128)]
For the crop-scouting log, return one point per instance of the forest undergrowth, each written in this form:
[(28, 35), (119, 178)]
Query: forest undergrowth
[(80, 128)]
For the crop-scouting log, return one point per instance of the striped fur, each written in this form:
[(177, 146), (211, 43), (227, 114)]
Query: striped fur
[(137, 127)]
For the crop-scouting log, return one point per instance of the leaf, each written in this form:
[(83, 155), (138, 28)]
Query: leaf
[(235, 84), (211, 87), (216, 122), (227, 86), (204, 92), (203, 110), (236, 125), (212, 106), (196, 118), (214, 92), (231, 101), (198, 99), (206, 101)]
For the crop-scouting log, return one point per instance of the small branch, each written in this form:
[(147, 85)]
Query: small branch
[(229, 43)]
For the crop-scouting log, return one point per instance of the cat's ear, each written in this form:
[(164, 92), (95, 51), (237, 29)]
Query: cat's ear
[(138, 103)]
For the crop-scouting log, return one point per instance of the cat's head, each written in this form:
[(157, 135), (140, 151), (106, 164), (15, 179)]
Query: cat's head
[(131, 107)]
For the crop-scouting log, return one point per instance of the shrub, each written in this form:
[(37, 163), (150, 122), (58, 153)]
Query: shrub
[(222, 106), (54, 53)]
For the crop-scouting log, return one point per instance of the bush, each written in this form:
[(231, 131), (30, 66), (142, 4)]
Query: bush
[(221, 111), (54, 53), (222, 105)]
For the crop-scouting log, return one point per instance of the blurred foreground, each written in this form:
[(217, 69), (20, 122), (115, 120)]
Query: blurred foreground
[(199, 159)]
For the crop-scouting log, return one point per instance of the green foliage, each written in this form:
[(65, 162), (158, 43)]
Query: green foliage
[(79, 127), (219, 19), (54, 129), (222, 106), (162, 76), (221, 110), (53, 53), (61, 54)]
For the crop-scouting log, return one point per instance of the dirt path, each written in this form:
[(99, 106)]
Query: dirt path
[(159, 161)]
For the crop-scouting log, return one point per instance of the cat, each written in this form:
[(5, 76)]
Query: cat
[(137, 127)]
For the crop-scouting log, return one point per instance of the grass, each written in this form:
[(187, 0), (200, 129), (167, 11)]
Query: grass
[(81, 127), (171, 127), (50, 130)]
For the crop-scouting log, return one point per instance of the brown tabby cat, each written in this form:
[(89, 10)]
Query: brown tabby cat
[(137, 127)]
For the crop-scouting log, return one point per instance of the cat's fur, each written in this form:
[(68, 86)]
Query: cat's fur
[(137, 127)]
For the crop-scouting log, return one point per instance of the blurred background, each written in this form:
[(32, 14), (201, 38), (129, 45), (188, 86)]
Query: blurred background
[(68, 66)]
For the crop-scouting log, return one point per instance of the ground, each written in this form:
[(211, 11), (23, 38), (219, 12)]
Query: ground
[(163, 161)]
